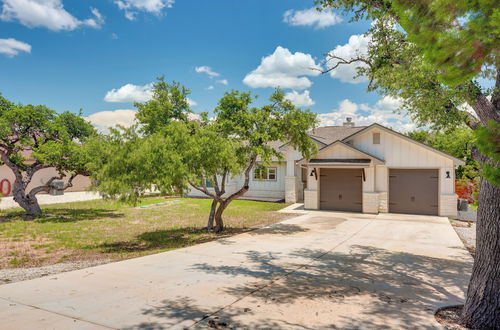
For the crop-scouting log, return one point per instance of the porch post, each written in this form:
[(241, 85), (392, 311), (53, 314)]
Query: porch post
[(311, 193), (290, 180), (370, 197)]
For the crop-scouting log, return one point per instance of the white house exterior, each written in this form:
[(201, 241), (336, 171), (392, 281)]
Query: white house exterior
[(367, 169)]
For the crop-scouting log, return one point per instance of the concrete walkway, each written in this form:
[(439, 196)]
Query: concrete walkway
[(78, 196), (318, 270)]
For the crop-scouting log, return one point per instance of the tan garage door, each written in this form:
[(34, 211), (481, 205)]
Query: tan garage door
[(413, 191), (341, 189)]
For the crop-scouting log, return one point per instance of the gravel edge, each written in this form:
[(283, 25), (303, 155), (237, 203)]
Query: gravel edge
[(11, 275)]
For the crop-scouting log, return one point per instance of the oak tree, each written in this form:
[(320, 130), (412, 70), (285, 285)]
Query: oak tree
[(33, 138), (170, 153)]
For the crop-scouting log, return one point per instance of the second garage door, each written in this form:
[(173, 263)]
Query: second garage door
[(413, 191), (341, 189)]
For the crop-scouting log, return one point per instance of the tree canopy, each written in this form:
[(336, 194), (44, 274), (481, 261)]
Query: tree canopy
[(33, 138), (173, 154)]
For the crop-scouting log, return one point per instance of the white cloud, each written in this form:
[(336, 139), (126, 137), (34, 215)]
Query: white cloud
[(283, 69), (209, 88), (311, 17), (382, 112), (193, 116), (103, 120), (223, 82), (133, 93), (206, 69), (300, 100), (356, 47), (46, 13), (11, 47), (131, 7), (129, 93)]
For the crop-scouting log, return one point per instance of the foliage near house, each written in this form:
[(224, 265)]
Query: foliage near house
[(170, 152), (430, 54), (33, 138), (467, 189), (458, 142)]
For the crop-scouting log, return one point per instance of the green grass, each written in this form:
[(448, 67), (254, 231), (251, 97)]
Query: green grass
[(103, 229)]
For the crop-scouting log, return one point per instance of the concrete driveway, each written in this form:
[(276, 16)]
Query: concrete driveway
[(318, 270)]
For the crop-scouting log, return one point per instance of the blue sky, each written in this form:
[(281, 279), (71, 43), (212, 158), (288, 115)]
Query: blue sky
[(99, 55)]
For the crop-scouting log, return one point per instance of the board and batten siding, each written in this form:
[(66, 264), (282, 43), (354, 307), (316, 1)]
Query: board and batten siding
[(274, 189), (337, 151)]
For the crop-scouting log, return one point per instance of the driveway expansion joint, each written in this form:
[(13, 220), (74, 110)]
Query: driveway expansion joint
[(57, 313)]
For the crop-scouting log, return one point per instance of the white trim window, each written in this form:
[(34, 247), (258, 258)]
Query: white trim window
[(265, 174)]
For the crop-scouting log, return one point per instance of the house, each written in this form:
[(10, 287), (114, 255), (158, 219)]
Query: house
[(7, 178), (368, 169)]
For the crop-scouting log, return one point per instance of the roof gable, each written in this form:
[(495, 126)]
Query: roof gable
[(348, 152), (366, 129), (330, 134)]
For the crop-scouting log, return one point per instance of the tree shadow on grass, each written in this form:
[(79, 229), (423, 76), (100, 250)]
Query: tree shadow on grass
[(390, 289), (165, 239), (61, 215)]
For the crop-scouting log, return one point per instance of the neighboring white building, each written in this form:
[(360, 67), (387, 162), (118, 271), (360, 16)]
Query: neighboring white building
[(367, 169)]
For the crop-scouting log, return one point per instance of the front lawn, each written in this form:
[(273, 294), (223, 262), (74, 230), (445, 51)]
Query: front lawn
[(102, 229)]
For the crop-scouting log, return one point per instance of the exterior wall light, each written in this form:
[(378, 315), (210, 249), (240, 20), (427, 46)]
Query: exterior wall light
[(448, 175)]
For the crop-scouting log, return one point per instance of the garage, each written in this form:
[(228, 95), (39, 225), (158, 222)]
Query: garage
[(341, 189), (413, 191)]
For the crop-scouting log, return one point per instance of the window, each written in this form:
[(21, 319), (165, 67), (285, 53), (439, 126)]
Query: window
[(208, 183), (265, 173), (376, 138)]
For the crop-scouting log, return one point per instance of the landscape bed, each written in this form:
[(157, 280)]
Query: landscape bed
[(106, 230)]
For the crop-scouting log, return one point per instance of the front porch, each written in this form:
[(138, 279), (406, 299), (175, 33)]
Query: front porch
[(343, 178)]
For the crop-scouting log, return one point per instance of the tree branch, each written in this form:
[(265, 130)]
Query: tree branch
[(243, 189), (495, 98), (31, 170), (223, 183), (48, 185), (216, 185), (341, 61), (203, 190), (15, 169)]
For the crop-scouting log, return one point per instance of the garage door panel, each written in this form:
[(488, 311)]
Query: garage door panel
[(341, 190), (413, 191)]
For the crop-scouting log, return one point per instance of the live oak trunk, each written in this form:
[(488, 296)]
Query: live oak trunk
[(213, 208), (219, 223), (219, 204), (28, 202), (482, 307)]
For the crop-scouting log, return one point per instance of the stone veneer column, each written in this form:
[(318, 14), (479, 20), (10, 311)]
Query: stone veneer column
[(290, 189), (370, 202), (383, 201)]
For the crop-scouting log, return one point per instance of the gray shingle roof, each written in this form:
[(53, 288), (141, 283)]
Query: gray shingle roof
[(330, 134)]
